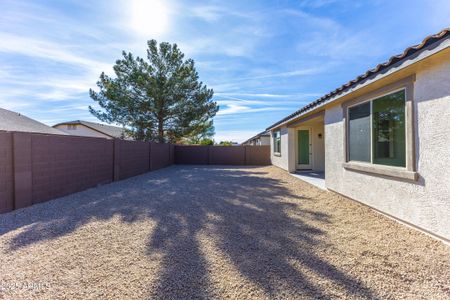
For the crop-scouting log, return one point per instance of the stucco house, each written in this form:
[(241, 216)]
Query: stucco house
[(261, 139), (85, 128), (382, 139), (13, 121)]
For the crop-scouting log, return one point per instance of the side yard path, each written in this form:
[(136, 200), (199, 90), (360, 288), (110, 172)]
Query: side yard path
[(193, 232)]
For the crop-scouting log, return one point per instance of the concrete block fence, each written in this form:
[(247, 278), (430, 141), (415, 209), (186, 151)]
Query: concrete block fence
[(37, 167), (222, 155)]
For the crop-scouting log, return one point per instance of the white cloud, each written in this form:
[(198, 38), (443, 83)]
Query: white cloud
[(293, 73), (257, 95), (235, 101), (275, 105), (258, 59), (218, 46), (339, 46), (40, 48), (313, 21), (327, 38), (231, 109), (213, 13), (232, 85), (57, 95), (13, 103), (66, 109), (208, 13), (235, 32), (266, 95), (51, 88)]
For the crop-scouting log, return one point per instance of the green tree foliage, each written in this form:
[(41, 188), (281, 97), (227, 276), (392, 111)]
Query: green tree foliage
[(204, 132), (226, 143), (207, 142), (159, 99)]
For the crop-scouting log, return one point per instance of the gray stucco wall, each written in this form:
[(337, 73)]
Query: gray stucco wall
[(282, 160), (425, 203), (318, 147), (288, 158)]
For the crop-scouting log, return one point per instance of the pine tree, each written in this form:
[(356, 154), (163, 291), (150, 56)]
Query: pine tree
[(160, 99)]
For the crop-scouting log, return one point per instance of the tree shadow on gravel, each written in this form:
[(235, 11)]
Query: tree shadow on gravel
[(245, 216), (243, 212)]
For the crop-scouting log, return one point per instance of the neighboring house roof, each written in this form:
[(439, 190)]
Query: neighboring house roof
[(410, 51), (264, 133), (111, 131), (12, 121)]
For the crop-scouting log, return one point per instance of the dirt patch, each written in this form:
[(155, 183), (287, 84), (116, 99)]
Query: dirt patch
[(189, 232)]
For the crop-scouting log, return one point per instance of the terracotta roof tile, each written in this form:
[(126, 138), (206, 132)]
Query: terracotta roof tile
[(444, 34)]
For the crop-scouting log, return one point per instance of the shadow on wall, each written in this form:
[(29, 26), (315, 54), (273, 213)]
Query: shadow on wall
[(242, 212)]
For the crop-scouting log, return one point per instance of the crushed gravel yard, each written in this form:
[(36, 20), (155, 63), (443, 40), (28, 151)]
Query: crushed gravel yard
[(196, 232)]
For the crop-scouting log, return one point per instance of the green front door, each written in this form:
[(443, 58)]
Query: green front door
[(303, 147)]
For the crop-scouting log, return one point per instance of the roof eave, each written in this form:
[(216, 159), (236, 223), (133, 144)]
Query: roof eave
[(400, 65)]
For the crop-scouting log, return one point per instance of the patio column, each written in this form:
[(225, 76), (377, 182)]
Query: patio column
[(291, 150)]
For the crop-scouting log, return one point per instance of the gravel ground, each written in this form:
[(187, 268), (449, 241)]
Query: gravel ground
[(188, 232)]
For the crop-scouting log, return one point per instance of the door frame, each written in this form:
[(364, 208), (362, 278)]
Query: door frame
[(311, 150)]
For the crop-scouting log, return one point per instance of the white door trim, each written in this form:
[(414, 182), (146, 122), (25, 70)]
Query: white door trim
[(311, 150)]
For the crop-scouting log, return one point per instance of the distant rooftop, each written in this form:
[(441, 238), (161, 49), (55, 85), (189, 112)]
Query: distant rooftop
[(264, 133), (112, 131), (12, 121)]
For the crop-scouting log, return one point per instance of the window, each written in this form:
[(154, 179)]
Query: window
[(376, 131), (277, 141), (71, 127), (359, 132)]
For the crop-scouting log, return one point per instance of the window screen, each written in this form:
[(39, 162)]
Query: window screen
[(277, 141), (359, 132)]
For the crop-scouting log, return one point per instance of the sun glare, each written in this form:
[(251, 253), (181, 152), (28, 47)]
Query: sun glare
[(149, 17)]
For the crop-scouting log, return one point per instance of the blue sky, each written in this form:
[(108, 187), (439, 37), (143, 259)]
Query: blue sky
[(264, 59)]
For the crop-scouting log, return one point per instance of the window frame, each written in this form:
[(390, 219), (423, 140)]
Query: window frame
[(274, 139), (409, 171), (371, 100), (347, 129)]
